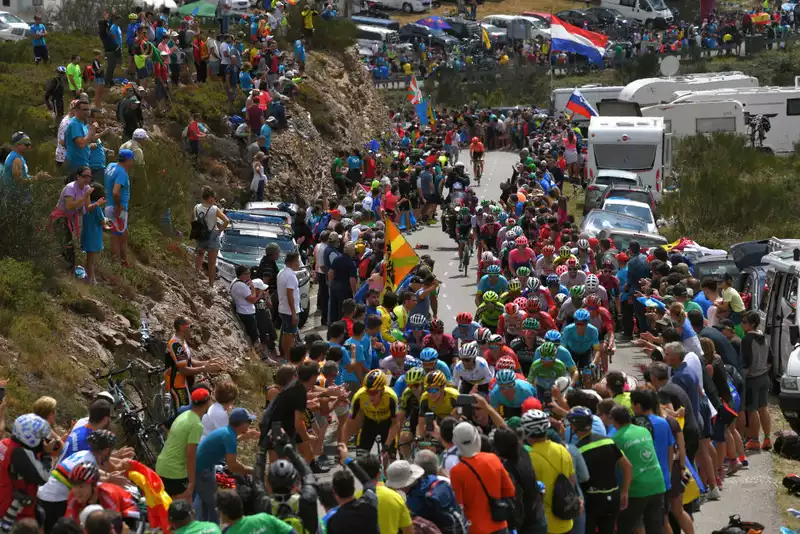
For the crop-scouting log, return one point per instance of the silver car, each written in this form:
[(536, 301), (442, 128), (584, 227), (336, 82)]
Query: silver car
[(593, 197)]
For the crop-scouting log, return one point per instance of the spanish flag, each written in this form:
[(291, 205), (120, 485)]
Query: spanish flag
[(399, 257), (153, 488), (485, 38)]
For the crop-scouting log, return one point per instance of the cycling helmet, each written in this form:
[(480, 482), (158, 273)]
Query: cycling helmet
[(511, 222), (492, 269), (534, 284), (581, 315), (502, 218), (565, 252), (487, 256), (572, 262), (534, 424), (548, 349), (530, 324), (459, 165), (30, 429), (553, 336), (61, 69), (488, 218), (428, 355), (521, 302), (476, 140), (592, 301), (417, 321), (483, 335), (85, 472), (521, 241), (398, 348), (548, 250), (506, 376), (464, 318), (410, 363), (282, 475), (580, 418), (560, 298), (496, 339), (437, 326), (583, 244), (415, 375), (511, 308), (490, 296), (485, 202), (102, 439), (506, 362), (516, 231), (496, 209), (375, 380), (577, 291), (514, 285), (523, 271), (561, 269), (592, 283), (552, 279), (533, 304), (510, 237), (435, 379), (347, 223), (468, 351), (464, 210)]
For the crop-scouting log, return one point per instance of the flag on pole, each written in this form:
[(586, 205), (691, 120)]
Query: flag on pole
[(579, 106), (156, 498), (422, 112), (431, 112), (485, 38), (399, 256), (569, 38), (414, 93)]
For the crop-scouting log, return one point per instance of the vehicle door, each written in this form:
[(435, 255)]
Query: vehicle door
[(784, 316), (765, 302), (749, 288)]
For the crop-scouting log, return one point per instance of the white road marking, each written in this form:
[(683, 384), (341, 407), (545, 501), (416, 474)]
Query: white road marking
[(448, 307)]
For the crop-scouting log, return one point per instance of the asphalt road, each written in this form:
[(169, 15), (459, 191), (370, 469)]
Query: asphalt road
[(750, 493)]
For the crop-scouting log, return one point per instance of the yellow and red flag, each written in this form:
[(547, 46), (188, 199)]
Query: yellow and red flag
[(399, 256), (153, 488)]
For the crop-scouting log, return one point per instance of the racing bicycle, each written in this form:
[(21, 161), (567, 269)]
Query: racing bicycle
[(466, 253), (477, 167)]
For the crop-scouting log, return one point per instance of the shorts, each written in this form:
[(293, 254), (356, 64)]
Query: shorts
[(706, 429), (142, 73), (212, 243), (223, 68), (99, 80), (40, 53), (286, 324), (308, 32), (175, 486), (414, 202), (180, 397), (757, 391), (676, 483), (582, 359), (370, 432), (119, 225), (404, 206)]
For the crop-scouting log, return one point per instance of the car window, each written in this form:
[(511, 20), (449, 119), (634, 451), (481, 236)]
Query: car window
[(638, 196), (616, 180), (238, 242), (640, 212), (765, 295), (8, 18), (606, 220), (715, 269)]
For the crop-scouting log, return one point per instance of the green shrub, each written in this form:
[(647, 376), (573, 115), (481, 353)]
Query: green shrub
[(208, 99), (330, 35)]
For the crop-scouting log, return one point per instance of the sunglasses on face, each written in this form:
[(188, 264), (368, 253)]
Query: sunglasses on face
[(84, 175), (415, 386), (572, 269), (433, 391), (507, 386), (494, 345)]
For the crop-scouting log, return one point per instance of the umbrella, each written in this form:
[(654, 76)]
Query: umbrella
[(434, 23), (787, 6), (198, 9)]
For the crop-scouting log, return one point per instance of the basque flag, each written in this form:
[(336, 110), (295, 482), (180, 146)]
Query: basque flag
[(579, 106)]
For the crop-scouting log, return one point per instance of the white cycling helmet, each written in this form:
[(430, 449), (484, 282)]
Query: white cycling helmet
[(487, 256), (469, 351), (592, 283), (459, 165), (534, 424)]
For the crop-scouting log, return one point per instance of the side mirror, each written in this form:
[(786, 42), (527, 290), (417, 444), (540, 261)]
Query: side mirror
[(794, 334)]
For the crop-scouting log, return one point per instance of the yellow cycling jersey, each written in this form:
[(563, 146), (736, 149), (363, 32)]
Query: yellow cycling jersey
[(385, 409), (441, 408)]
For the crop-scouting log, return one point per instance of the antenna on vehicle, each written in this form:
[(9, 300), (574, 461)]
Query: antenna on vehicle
[(669, 66)]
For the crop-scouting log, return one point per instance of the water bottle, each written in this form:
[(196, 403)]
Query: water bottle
[(144, 328), (80, 272)]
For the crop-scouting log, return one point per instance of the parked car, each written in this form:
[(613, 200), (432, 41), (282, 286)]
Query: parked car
[(640, 210), (622, 238), (639, 193), (461, 28), (539, 26), (598, 220), (607, 16), (577, 17), (12, 28), (593, 197), (417, 32)]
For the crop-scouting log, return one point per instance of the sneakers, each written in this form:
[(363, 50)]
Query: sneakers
[(318, 469), (745, 464), (714, 494), (753, 445), (732, 467), (766, 445)]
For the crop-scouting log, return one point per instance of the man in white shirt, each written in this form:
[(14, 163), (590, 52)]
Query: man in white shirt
[(288, 301), (224, 57), (245, 297)]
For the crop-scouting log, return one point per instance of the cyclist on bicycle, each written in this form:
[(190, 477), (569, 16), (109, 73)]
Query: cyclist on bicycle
[(463, 229), (585, 255), (521, 256), (87, 489), (496, 350), (582, 339), (509, 393), (444, 344), (466, 329), (395, 363), (514, 292), (575, 302), (487, 234), (472, 373), (612, 286), (546, 370), (601, 319), (523, 275), (506, 362), (489, 312), (492, 281), (400, 384), (180, 370), (535, 291), (476, 152), (554, 286), (510, 324), (564, 255), (525, 345), (593, 287), (416, 330), (438, 399), (373, 412), (545, 320), (431, 362), (562, 354), (545, 264), (574, 275), (408, 410)]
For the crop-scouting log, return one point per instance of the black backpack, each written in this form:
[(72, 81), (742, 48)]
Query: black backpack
[(566, 503)]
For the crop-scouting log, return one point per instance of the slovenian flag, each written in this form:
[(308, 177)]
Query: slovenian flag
[(579, 106), (568, 38)]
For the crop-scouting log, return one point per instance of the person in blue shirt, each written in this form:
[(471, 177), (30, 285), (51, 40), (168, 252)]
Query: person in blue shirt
[(643, 402), (492, 281), (39, 33), (78, 137), (266, 133), (354, 167), (465, 331), (353, 374), (219, 447), (554, 286), (431, 362), (246, 79), (509, 393), (99, 419), (15, 168), (97, 160), (702, 299), (118, 189), (581, 339), (638, 269)]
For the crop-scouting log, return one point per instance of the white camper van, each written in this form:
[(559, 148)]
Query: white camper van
[(634, 144), (781, 105), (691, 118), (649, 12), (593, 94), (652, 91)]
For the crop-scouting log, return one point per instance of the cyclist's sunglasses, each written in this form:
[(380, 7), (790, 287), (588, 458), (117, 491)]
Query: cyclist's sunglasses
[(572, 269), (609, 271), (495, 345), (433, 391), (415, 386), (507, 386)]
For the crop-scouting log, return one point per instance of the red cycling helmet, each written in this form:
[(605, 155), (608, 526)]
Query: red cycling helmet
[(398, 348), (512, 308), (572, 262), (464, 318), (506, 362), (437, 326), (521, 241), (592, 301), (548, 250), (521, 302), (534, 304), (561, 269)]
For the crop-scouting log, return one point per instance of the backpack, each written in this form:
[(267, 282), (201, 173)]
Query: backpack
[(566, 504), (199, 230), (518, 520), (287, 512), (363, 265), (321, 225), (737, 526), (446, 513)]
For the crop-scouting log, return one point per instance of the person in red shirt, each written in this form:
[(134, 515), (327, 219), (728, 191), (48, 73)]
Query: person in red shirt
[(370, 166), (390, 200), (194, 134), (478, 477), (87, 490), (611, 284), (497, 349)]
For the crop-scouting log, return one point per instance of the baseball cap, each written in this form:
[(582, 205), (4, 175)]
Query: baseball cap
[(140, 134), (20, 138), (333, 237), (105, 395), (240, 415), (622, 257), (466, 439), (258, 283), (531, 403), (336, 213), (200, 395), (125, 155)]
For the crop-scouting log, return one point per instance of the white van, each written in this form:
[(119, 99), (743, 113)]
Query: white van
[(538, 27), (691, 118), (409, 6), (634, 144), (652, 91), (781, 105), (592, 93), (649, 12), (12, 28)]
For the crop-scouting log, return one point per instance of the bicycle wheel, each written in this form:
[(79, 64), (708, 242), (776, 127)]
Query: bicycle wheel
[(144, 449), (133, 399)]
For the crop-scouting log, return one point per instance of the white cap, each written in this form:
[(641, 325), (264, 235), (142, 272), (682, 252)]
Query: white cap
[(467, 439), (258, 283), (140, 134)]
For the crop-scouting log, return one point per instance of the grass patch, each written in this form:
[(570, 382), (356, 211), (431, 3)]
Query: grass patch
[(780, 468), (318, 108)]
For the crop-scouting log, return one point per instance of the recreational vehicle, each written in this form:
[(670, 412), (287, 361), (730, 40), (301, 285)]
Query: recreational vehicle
[(634, 144), (652, 91), (592, 93), (691, 118)]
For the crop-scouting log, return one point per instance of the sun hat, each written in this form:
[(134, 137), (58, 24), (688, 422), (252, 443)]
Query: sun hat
[(402, 474)]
